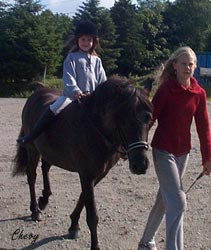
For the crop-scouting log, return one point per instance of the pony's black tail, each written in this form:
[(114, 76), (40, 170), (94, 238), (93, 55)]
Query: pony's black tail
[(21, 159)]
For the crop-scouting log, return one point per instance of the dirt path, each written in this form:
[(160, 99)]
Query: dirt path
[(123, 202)]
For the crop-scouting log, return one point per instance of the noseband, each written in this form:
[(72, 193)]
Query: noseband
[(127, 148), (139, 144)]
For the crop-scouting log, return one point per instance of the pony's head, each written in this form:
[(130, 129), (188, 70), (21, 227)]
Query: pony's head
[(125, 113)]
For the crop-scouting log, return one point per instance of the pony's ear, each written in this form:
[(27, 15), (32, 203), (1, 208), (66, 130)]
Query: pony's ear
[(148, 85)]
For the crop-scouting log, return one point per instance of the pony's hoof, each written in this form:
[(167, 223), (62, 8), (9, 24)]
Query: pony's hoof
[(36, 216), (42, 203), (95, 248), (73, 233)]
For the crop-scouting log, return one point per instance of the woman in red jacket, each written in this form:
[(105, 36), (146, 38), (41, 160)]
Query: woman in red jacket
[(177, 101)]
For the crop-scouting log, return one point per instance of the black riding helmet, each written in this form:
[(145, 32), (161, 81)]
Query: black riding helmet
[(86, 28)]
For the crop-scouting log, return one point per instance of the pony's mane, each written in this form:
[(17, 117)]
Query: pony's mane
[(117, 90)]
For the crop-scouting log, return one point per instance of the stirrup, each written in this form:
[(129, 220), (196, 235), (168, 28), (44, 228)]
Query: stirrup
[(21, 141)]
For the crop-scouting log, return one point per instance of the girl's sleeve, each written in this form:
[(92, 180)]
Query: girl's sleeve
[(69, 78), (203, 128), (101, 77)]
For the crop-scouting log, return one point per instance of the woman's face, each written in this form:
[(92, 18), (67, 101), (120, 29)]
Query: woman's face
[(85, 42), (184, 67)]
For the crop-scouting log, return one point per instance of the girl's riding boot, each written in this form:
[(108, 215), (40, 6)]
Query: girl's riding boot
[(42, 123)]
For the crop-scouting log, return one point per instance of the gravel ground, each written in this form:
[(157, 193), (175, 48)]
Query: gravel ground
[(123, 200)]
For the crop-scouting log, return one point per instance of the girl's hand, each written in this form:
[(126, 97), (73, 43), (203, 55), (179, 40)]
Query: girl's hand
[(207, 167), (78, 95)]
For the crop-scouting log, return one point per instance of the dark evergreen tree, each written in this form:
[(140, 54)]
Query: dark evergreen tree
[(64, 27), (47, 45), (14, 42), (31, 42), (188, 21), (153, 31), (134, 39), (129, 41), (207, 45)]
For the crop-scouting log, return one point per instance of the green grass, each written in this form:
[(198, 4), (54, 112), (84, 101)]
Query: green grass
[(53, 83)]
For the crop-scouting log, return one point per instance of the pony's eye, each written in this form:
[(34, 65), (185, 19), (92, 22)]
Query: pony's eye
[(148, 117), (144, 117)]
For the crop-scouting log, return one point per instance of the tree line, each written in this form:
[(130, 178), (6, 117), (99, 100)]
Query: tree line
[(134, 39)]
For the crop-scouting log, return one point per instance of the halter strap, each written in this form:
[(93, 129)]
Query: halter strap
[(130, 147), (139, 144)]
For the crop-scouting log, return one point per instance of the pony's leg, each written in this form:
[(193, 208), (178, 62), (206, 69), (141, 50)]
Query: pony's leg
[(43, 200), (87, 185), (33, 159), (75, 216)]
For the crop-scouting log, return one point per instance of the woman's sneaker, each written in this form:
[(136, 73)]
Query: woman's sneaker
[(147, 246)]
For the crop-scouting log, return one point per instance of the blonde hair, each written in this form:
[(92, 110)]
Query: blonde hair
[(166, 70)]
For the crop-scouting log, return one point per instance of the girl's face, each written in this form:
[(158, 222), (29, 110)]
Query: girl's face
[(85, 42), (184, 67)]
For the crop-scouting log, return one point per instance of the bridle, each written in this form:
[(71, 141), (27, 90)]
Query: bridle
[(127, 148), (139, 144)]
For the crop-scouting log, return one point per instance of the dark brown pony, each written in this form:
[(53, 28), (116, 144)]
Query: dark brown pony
[(87, 137)]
